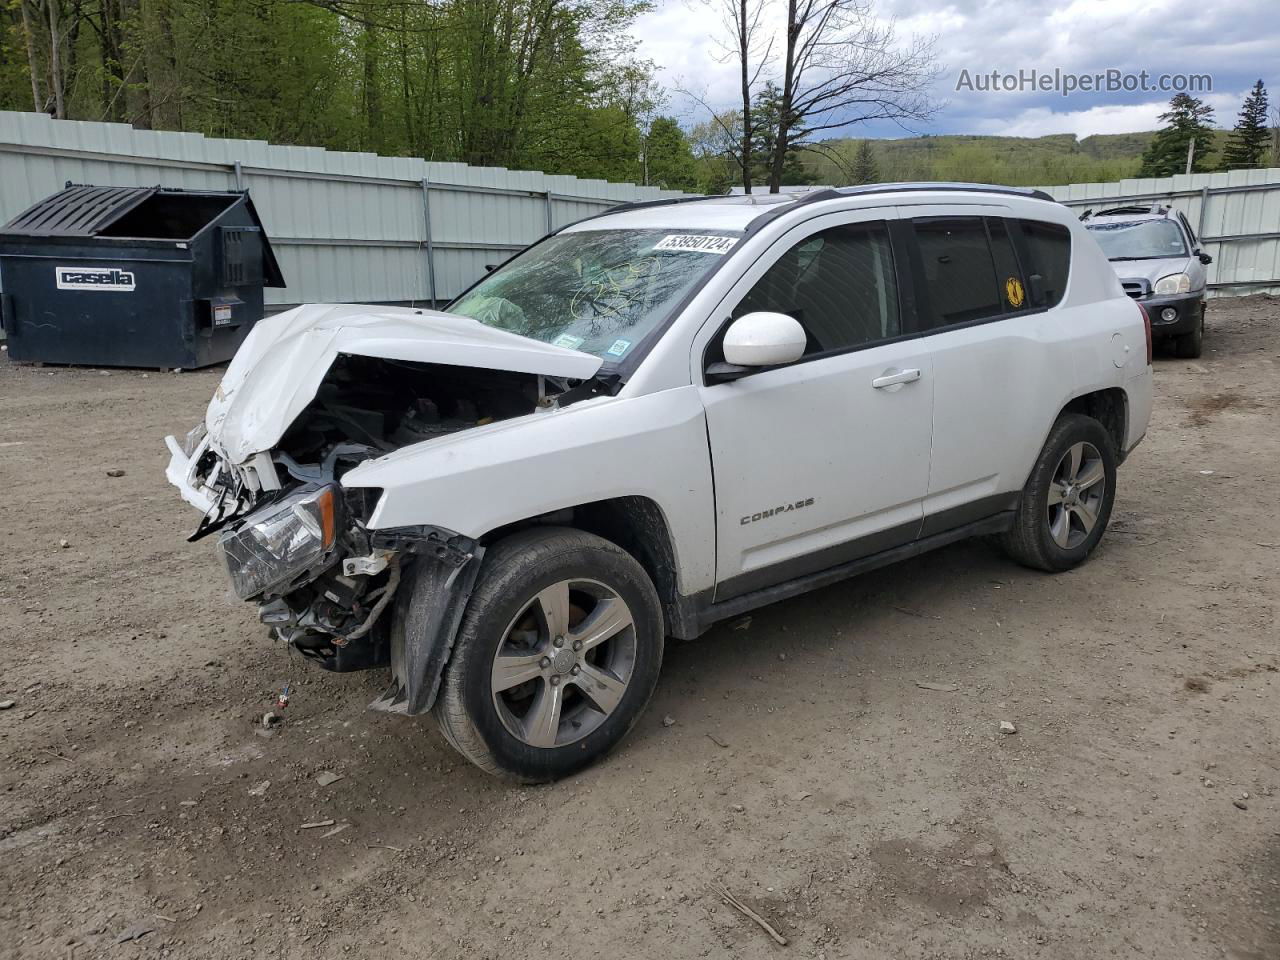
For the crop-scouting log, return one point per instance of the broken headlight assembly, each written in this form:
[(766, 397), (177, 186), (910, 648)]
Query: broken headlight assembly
[(284, 543)]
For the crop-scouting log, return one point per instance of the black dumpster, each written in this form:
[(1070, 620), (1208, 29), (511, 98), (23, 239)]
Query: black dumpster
[(134, 277)]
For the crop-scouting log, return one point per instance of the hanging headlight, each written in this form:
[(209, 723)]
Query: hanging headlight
[(276, 547)]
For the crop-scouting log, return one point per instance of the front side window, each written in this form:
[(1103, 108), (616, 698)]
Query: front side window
[(598, 291), (1139, 239), (839, 284)]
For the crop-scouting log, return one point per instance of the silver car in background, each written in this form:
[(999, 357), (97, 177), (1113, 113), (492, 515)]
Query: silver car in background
[(1158, 259)]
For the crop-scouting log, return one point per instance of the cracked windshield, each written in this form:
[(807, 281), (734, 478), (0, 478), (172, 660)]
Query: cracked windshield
[(598, 291)]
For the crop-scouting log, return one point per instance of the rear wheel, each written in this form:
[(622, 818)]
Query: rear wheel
[(1066, 503), (557, 654), (1189, 346)]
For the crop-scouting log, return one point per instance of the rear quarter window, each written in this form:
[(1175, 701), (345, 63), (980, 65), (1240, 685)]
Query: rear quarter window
[(1049, 256)]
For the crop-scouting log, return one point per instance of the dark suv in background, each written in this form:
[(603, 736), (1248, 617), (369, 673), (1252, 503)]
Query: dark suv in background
[(1157, 257)]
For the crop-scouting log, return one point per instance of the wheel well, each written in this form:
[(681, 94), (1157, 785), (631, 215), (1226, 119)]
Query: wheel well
[(637, 525), (1110, 408)]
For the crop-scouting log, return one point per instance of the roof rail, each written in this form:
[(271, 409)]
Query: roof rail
[(838, 193), (643, 204), (1133, 208), (944, 185), (830, 193)]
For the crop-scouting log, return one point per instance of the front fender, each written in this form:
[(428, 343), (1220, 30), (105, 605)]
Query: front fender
[(429, 607), (652, 446)]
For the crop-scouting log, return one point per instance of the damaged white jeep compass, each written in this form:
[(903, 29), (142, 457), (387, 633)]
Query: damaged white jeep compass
[(652, 420)]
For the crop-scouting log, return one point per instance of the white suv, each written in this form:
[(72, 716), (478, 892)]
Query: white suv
[(655, 419)]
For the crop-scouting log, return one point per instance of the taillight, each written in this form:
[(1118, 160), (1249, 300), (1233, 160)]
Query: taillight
[(1146, 324)]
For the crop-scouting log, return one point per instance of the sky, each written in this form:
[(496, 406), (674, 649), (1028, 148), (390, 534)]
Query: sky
[(1235, 42)]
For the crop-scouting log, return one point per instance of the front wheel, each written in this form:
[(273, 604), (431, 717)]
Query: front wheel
[(556, 657), (1190, 345), (1067, 500)]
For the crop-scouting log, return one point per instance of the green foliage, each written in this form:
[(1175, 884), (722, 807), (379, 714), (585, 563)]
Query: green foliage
[(713, 153), (543, 84), (1250, 142), (1016, 161), (765, 112), (1187, 119), (670, 163), (15, 83)]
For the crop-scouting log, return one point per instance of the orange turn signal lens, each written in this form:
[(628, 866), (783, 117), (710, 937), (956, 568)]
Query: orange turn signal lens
[(328, 526)]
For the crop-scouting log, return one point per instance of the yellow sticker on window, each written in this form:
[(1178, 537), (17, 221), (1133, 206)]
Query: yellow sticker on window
[(1013, 292)]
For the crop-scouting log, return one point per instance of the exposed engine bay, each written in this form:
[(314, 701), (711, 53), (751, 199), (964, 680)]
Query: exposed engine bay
[(367, 406)]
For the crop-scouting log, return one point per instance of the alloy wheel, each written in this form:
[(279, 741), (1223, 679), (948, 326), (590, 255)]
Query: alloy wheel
[(564, 663), (1075, 495)]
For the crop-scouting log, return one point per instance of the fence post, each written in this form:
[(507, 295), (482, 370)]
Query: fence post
[(551, 224), (1204, 211), (239, 174), (431, 253)]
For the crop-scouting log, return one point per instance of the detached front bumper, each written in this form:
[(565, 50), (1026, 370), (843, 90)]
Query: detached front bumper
[(181, 473), (325, 583), (1186, 310)]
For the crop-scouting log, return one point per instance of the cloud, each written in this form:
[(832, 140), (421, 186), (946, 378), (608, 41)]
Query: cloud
[(1231, 40)]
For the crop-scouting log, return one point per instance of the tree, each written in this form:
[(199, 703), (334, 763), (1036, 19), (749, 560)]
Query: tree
[(768, 111), (1249, 141), (1275, 138), (865, 168), (715, 144), (1187, 120), (548, 84), (842, 66), (742, 23), (669, 160)]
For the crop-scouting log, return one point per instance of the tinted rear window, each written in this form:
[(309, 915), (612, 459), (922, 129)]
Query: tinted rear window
[(959, 270), (1049, 250)]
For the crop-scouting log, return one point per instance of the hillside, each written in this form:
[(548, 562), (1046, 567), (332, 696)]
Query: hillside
[(1020, 161)]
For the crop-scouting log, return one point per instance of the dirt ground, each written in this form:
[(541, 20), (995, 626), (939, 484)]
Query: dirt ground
[(1133, 814)]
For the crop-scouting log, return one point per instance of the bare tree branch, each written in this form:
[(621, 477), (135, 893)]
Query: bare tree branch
[(841, 67)]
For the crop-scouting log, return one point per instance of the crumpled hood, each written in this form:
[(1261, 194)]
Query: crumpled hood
[(279, 367), (1150, 270)]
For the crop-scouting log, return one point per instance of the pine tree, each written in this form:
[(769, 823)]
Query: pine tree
[(670, 163), (765, 116), (1187, 119), (865, 168), (1250, 139)]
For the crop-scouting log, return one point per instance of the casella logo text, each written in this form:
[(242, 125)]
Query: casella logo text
[(774, 511), (95, 278)]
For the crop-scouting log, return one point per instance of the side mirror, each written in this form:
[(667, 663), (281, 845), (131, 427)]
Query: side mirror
[(1204, 257), (764, 340)]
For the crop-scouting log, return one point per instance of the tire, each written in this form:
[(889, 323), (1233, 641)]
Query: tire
[(1040, 537), (534, 586), (1189, 346)]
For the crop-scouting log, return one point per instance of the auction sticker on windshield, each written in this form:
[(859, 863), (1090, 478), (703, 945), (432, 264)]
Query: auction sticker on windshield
[(698, 244)]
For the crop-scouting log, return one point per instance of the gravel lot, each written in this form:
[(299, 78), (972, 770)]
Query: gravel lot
[(1133, 814)]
